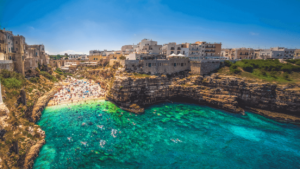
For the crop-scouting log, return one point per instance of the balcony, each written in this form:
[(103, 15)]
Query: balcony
[(2, 51), (2, 41), (210, 47)]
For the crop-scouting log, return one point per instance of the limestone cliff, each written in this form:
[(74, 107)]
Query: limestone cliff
[(224, 92), (32, 154), (42, 103)]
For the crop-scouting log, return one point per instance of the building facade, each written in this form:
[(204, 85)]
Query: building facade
[(78, 56), (23, 56), (173, 48), (297, 54), (153, 65)]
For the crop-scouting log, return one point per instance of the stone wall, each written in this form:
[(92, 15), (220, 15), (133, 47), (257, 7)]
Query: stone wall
[(7, 65), (205, 67), (158, 66), (30, 63)]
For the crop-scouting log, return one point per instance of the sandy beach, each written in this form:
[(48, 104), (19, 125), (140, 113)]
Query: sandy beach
[(75, 91)]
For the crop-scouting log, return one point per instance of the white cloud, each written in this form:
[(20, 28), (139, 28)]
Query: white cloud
[(254, 34)]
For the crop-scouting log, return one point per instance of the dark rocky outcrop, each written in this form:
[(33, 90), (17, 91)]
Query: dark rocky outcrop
[(14, 148), (2, 132)]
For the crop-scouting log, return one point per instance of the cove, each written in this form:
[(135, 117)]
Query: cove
[(168, 135)]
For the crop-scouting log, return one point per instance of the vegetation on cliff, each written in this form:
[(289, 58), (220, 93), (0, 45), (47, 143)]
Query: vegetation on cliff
[(18, 134), (266, 70)]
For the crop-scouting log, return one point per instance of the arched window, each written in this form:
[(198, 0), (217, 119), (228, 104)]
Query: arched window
[(9, 57), (172, 48), (178, 48)]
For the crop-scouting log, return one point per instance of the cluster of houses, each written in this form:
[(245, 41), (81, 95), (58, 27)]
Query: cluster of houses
[(149, 57), (17, 55), (145, 57)]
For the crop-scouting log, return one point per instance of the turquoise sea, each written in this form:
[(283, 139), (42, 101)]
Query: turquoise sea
[(178, 135)]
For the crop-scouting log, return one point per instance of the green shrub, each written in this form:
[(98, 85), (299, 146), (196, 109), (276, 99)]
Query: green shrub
[(234, 69), (58, 76), (273, 74), (122, 58), (263, 72), (248, 67), (48, 76), (286, 76), (287, 68), (227, 63), (12, 83), (34, 79)]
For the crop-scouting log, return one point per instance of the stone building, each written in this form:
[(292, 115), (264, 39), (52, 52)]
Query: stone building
[(23, 56), (154, 65), (210, 49), (78, 56), (196, 51), (239, 53), (127, 49), (297, 54), (277, 53), (205, 67), (173, 48)]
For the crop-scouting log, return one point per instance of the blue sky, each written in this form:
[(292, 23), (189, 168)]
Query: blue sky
[(77, 26)]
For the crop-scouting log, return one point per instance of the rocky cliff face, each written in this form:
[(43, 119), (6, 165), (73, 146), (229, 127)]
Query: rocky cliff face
[(224, 92), (34, 114), (32, 154)]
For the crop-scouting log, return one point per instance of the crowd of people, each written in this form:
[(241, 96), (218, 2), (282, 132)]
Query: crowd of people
[(74, 90)]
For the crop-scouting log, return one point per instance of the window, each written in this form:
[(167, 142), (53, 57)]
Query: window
[(149, 64), (174, 64), (16, 42)]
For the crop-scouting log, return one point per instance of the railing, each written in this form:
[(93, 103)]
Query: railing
[(2, 41), (5, 61), (2, 51)]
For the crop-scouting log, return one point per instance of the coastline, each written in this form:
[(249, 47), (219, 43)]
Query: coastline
[(51, 102), (280, 117)]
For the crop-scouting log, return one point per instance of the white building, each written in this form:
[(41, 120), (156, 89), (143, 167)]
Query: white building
[(173, 48), (277, 53), (196, 51), (78, 56)]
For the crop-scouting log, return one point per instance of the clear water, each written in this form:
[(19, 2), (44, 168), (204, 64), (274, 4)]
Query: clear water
[(166, 136)]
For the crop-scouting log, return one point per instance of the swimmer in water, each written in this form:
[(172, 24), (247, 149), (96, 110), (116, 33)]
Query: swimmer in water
[(100, 115), (100, 126), (69, 138), (113, 132), (102, 143), (178, 140), (84, 143), (83, 124)]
